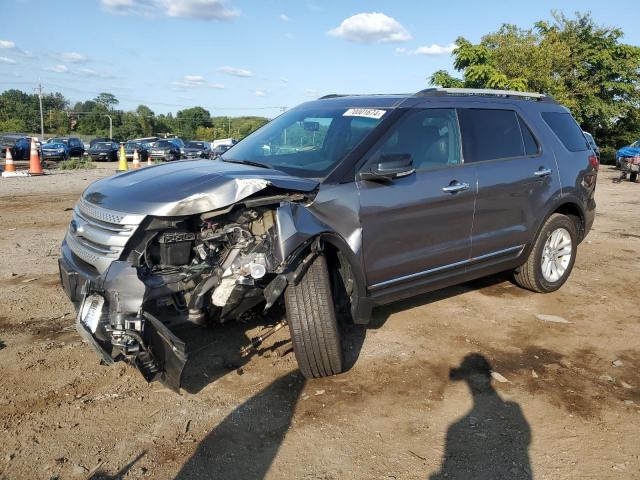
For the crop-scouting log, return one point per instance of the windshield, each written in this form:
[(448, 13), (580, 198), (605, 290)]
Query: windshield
[(307, 141), (59, 140), (132, 145), (194, 144), (103, 145), (163, 144)]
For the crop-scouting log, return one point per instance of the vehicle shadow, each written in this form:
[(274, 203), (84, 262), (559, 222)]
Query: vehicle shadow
[(215, 351), (382, 314), (492, 440), (354, 336), (245, 443)]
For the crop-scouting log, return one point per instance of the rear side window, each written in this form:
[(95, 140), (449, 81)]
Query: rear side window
[(490, 134), (567, 130)]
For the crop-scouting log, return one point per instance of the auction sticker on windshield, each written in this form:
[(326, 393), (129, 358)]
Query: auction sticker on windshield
[(365, 112)]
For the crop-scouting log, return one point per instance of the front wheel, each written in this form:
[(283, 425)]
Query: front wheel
[(551, 259), (312, 322)]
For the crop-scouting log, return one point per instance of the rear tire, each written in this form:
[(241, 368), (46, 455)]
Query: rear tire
[(312, 322), (633, 177), (530, 274)]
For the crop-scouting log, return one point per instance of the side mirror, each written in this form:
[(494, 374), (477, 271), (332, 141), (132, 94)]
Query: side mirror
[(389, 167)]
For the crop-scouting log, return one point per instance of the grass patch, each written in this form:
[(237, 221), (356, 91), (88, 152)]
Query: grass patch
[(76, 163)]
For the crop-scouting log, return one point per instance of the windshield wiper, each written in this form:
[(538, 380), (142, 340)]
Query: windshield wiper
[(250, 162)]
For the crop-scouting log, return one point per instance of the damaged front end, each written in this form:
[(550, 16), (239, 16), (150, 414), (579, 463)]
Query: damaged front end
[(132, 283)]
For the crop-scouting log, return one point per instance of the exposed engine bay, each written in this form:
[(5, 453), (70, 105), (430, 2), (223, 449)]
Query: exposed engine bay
[(205, 269)]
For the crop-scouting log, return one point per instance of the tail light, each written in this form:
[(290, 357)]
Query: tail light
[(593, 161)]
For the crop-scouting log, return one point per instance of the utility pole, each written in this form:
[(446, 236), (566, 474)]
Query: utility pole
[(38, 89)]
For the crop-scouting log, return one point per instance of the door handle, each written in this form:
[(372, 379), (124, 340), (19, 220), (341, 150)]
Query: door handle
[(543, 172), (455, 187)]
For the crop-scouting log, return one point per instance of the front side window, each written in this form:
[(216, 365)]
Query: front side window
[(309, 141), (431, 137), (490, 134)]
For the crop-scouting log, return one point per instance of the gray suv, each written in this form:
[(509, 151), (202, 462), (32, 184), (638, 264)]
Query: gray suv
[(335, 207)]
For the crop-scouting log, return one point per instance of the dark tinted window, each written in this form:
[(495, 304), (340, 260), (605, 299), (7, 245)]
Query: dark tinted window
[(567, 130), (490, 134), (430, 136), (530, 144)]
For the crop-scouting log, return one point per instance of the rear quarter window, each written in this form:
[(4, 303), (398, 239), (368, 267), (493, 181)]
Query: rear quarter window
[(567, 130)]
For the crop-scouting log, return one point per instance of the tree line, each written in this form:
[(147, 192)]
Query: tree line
[(584, 66), (20, 112)]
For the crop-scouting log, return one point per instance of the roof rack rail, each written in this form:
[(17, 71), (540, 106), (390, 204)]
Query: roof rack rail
[(332, 95), (432, 92)]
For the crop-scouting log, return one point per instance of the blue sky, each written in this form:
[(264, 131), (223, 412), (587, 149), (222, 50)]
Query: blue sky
[(238, 57)]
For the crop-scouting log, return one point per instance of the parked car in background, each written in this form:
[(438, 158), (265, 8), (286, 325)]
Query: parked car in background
[(629, 151), (592, 144), (18, 143), (143, 150), (99, 140), (75, 147), (197, 149), (55, 150), (229, 142), (104, 151), (179, 143), (360, 201), (165, 150), (219, 150)]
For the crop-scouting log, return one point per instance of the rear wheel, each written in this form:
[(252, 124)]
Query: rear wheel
[(312, 322), (633, 177), (552, 257)]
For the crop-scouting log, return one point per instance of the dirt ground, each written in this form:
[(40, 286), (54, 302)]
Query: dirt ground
[(563, 403)]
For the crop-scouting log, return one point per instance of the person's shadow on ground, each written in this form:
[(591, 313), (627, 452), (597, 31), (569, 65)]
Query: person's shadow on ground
[(492, 440), (244, 445)]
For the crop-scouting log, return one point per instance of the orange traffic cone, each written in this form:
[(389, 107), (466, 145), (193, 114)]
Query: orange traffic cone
[(35, 168), (9, 167), (136, 159)]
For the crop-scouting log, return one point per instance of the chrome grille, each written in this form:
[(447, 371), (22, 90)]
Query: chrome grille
[(98, 235)]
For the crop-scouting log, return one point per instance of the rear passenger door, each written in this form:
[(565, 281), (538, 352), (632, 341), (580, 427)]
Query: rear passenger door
[(516, 179)]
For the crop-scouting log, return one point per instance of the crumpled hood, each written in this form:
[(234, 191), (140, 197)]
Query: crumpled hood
[(187, 187), (628, 152)]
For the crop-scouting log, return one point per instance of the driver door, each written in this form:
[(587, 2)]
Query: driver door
[(417, 228)]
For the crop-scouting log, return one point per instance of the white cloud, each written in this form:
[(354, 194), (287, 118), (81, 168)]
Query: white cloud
[(284, 18), (236, 72), (89, 72), (371, 28), (194, 81), (7, 60), (73, 57), (58, 69), (197, 9), (432, 50), (7, 44), (260, 93), (284, 80)]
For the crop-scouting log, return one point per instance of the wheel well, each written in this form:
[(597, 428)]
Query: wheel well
[(572, 211)]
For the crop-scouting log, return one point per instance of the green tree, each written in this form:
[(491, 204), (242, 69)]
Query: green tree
[(108, 100), (585, 66)]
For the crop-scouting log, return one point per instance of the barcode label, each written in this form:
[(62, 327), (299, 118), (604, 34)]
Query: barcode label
[(365, 112)]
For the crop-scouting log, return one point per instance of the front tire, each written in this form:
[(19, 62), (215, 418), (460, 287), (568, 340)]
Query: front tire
[(551, 259), (633, 177), (312, 322)]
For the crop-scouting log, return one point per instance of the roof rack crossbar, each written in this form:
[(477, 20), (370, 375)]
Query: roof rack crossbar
[(428, 92)]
